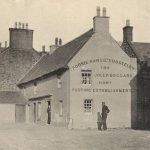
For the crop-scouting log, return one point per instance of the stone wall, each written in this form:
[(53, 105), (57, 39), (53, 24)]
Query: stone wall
[(14, 64)]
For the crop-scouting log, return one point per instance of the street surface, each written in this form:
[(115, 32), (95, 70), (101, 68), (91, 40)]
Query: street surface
[(40, 137)]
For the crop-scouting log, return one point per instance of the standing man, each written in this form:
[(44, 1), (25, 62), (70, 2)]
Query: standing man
[(49, 114), (105, 112)]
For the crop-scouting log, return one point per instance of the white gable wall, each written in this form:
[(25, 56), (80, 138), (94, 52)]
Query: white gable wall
[(101, 46)]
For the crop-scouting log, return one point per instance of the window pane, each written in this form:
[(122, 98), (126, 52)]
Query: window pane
[(88, 106), (86, 76)]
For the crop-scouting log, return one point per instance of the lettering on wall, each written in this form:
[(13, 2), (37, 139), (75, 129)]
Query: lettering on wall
[(95, 90), (103, 60), (104, 78)]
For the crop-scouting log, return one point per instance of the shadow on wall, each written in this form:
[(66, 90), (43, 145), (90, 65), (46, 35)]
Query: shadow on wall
[(140, 99)]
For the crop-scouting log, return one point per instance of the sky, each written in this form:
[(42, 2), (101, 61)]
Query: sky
[(68, 19)]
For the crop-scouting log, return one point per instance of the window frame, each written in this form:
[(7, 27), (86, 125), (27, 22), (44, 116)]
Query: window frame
[(59, 82), (88, 106), (87, 78)]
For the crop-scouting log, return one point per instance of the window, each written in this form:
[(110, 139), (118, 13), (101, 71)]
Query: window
[(59, 83), (86, 76), (35, 88), (61, 108), (24, 91), (88, 105)]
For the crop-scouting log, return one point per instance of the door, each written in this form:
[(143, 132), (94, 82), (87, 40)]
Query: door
[(34, 112), (49, 112), (20, 113)]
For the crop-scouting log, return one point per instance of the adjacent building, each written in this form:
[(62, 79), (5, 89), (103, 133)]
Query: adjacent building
[(141, 83), (15, 60), (68, 87)]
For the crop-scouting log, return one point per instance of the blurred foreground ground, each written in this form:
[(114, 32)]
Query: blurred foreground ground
[(38, 137)]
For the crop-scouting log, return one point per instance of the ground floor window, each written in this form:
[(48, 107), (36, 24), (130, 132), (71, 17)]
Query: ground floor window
[(88, 104)]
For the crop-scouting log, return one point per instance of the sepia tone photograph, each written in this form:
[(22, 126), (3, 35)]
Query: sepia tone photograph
[(75, 75)]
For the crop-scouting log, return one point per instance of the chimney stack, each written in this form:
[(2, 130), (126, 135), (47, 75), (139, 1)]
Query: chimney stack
[(127, 32), (101, 23), (43, 51), (58, 43), (21, 38)]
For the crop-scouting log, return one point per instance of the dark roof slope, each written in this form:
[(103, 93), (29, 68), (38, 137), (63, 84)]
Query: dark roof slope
[(58, 59), (1, 49), (137, 49), (12, 97), (143, 49)]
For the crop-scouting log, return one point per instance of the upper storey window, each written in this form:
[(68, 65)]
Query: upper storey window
[(35, 88), (86, 76), (59, 82)]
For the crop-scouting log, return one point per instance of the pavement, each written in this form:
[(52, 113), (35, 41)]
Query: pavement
[(44, 137)]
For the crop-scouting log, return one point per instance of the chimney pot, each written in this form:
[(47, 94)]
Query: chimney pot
[(23, 26), (60, 42), (56, 41), (104, 11), (26, 25), (101, 24), (128, 22), (19, 25), (15, 24), (98, 11), (127, 32), (43, 48)]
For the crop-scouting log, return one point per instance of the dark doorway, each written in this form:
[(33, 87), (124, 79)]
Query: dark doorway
[(20, 113), (49, 112), (34, 109)]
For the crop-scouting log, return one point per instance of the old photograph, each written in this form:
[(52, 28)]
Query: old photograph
[(75, 75)]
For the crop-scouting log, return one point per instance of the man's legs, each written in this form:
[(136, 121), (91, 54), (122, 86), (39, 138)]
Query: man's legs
[(104, 124)]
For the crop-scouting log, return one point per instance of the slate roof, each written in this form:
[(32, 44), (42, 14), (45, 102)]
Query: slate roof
[(58, 59), (143, 49), (12, 97), (2, 48), (137, 49)]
